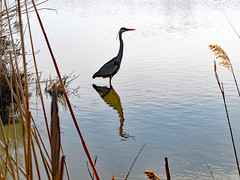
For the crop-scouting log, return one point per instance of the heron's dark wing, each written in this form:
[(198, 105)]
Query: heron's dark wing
[(108, 69)]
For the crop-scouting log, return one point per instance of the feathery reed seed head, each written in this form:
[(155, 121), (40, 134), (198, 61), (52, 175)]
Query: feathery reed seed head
[(221, 54)]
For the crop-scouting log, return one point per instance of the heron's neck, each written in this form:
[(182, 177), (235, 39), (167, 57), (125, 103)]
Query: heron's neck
[(120, 52)]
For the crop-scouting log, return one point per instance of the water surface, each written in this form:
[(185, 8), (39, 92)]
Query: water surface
[(165, 94)]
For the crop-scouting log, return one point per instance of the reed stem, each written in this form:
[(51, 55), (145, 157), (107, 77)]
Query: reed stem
[(221, 87), (35, 158), (134, 161), (36, 70), (167, 169)]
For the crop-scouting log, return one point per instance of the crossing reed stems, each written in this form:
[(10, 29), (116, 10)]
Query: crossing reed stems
[(36, 70), (28, 158), (65, 95), (35, 159)]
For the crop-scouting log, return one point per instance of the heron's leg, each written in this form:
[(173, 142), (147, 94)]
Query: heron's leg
[(110, 80)]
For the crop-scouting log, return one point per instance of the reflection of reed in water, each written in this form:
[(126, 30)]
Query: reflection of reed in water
[(110, 96), (18, 131), (11, 144)]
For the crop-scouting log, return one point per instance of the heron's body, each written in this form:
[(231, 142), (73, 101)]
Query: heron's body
[(111, 67)]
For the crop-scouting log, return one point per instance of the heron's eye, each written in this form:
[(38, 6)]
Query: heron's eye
[(123, 29)]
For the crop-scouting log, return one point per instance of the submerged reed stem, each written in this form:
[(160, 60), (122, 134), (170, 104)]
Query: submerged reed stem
[(134, 161), (207, 166)]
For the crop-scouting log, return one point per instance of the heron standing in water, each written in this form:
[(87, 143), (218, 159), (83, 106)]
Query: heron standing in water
[(111, 67)]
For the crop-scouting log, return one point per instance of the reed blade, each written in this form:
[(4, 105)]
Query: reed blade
[(55, 134)]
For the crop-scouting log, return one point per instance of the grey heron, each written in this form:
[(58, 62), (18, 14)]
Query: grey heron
[(111, 67)]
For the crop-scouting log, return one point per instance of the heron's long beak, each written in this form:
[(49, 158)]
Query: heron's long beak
[(125, 31), (131, 29)]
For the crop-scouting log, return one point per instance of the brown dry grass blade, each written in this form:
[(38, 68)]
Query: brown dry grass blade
[(55, 134)]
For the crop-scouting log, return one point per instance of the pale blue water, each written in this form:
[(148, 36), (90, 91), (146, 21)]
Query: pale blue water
[(166, 84)]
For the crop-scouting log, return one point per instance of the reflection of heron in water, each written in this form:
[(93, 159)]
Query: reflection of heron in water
[(110, 96)]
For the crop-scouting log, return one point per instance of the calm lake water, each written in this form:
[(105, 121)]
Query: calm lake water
[(164, 96)]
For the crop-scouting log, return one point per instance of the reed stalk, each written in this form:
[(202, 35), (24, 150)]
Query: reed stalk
[(167, 169), (207, 167), (65, 164), (61, 167), (35, 158), (1, 42), (37, 136), (17, 98), (36, 70), (231, 24), (7, 166), (28, 157), (44, 160), (221, 87), (7, 145), (134, 162), (15, 55), (12, 159), (89, 172), (7, 158), (1, 172), (14, 136)]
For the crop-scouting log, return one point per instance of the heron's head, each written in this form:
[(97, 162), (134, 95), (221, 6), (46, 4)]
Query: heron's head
[(123, 29)]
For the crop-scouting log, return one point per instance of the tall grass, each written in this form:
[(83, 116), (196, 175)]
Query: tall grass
[(12, 57), (225, 62)]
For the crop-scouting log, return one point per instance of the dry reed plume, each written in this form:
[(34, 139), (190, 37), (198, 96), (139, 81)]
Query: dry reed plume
[(224, 61), (221, 54)]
